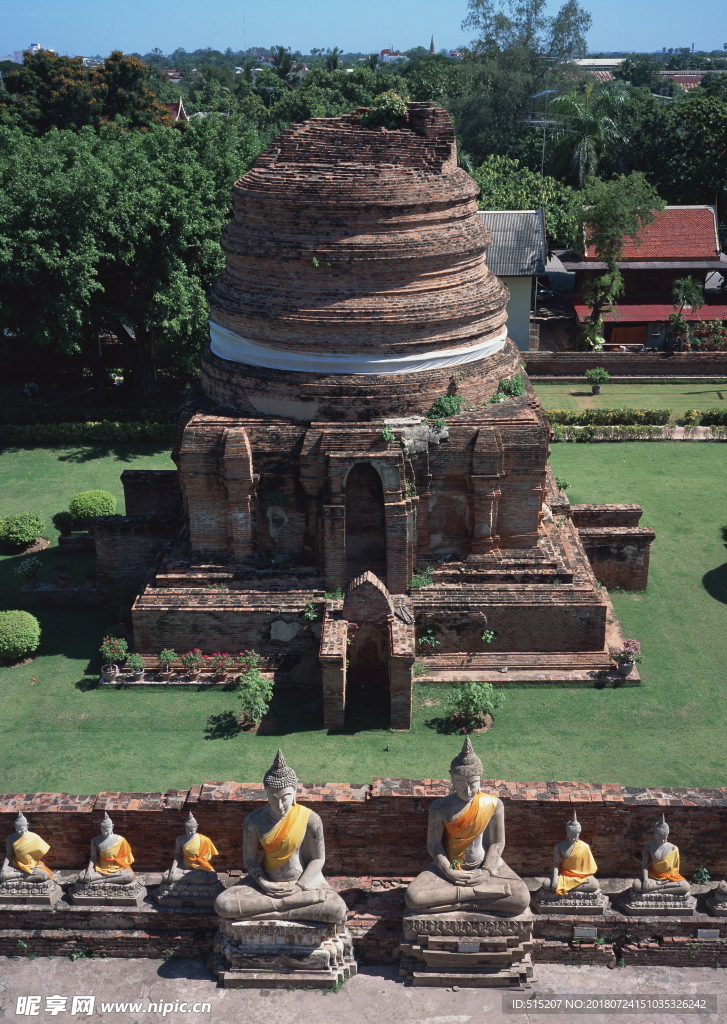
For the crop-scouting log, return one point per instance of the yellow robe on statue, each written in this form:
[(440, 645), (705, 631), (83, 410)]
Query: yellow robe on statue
[(469, 823), (284, 838), (197, 853), (28, 851), (115, 859), (666, 869), (575, 868)]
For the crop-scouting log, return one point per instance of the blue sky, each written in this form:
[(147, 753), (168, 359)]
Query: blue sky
[(99, 26)]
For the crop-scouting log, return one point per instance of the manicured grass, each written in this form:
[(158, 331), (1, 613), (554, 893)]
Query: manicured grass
[(677, 397), (57, 734)]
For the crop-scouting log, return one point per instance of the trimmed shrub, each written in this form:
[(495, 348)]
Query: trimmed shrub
[(608, 417), (63, 520), (21, 528), (28, 568), (598, 375), (589, 434), (19, 635), (714, 418), (87, 504)]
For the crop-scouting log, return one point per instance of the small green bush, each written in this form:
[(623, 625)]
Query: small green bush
[(28, 568), (513, 386), (471, 701), (387, 110), (19, 635), (446, 405), (714, 418), (63, 520), (422, 578), (701, 875), (561, 484), (21, 528), (418, 669), (84, 506), (136, 663), (167, 657), (609, 417), (429, 638), (256, 691), (598, 375)]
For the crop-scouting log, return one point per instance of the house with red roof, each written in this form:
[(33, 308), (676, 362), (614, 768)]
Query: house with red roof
[(682, 241)]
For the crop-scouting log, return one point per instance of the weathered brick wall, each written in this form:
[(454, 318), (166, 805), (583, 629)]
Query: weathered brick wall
[(382, 828), (619, 555), (151, 491), (605, 515), (627, 364), (126, 546)]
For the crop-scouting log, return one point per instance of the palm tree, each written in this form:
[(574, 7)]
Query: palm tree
[(374, 61), (587, 125), (333, 59)]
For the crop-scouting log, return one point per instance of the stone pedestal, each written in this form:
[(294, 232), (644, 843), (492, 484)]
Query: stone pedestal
[(717, 903), (545, 901), (106, 894), (467, 949), (184, 894), (20, 892), (656, 904), (282, 954)]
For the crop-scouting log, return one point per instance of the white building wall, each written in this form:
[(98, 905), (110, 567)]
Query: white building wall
[(518, 310)]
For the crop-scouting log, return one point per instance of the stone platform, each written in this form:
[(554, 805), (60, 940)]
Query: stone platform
[(106, 894), (22, 893), (467, 949), (656, 904), (181, 894), (545, 901), (282, 954)]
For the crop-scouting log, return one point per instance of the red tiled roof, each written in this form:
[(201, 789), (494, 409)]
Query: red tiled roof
[(678, 232), (652, 312)]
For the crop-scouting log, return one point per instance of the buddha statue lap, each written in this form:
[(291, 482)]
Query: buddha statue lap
[(191, 880), (109, 878), (572, 887), (467, 892), (24, 878), (661, 889), (283, 900)]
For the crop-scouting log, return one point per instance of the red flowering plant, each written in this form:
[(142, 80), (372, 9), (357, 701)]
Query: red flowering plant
[(192, 660), (220, 663)]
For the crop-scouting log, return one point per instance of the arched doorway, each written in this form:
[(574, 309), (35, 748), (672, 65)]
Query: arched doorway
[(365, 523), (368, 693)]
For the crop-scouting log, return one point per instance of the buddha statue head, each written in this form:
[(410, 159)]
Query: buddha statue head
[(107, 826), (190, 825), (573, 828), (466, 772), (661, 830), (281, 784), (21, 824)]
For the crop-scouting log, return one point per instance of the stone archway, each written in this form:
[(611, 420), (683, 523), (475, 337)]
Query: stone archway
[(368, 693), (365, 522)]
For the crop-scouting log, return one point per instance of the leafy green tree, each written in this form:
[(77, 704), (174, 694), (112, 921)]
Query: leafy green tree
[(639, 71), (333, 59), (715, 85), (508, 186), (612, 211), (587, 126)]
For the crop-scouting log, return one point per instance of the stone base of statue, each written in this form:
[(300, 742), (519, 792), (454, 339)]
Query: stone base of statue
[(282, 954), (184, 894), (20, 892), (106, 894), (656, 904), (717, 903), (468, 949), (591, 904)]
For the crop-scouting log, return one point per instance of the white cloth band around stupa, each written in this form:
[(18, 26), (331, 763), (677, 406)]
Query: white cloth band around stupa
[(233, 347)]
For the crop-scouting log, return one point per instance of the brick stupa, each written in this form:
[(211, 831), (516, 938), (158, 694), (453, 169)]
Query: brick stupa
[(356, 293)]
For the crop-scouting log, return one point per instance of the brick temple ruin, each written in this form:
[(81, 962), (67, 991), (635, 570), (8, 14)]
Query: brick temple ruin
[(310, 483)]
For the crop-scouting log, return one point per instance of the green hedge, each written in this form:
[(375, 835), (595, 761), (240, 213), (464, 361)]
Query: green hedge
[(60, 434), (609, 417), (644, 432), (30, 415), (714, 418), (19, 634)]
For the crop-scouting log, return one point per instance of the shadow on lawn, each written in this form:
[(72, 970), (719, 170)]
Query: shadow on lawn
[(222, 727), (121, 453), (715, 583)]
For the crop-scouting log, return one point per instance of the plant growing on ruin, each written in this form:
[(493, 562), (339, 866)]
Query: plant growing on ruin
[(167, 657), (310, 613), (512, 386), (561, 484), (422, 578), (388, 435), (256, 691), (418, 669), (410, 487), (387, 110), (701, 875), (29, 568), (471, 701), (446, 405), (489, 635), (337, 594), (276, 499), (21, 528), (428, 637), (113, 649)]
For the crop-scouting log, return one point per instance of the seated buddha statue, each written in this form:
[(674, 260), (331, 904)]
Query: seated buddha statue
[(465, 839), (110, 859), (23, 852), (192, 855), (573, 864), (286, 884), (660, 866)]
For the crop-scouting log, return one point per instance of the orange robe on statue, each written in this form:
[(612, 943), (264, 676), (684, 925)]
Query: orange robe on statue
[(469, 823)]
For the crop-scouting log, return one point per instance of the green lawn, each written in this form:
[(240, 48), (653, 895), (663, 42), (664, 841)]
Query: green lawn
[(57, 734), (677, 397)]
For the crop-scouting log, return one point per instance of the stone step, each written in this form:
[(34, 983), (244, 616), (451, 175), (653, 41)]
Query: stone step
[(506, 977)]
